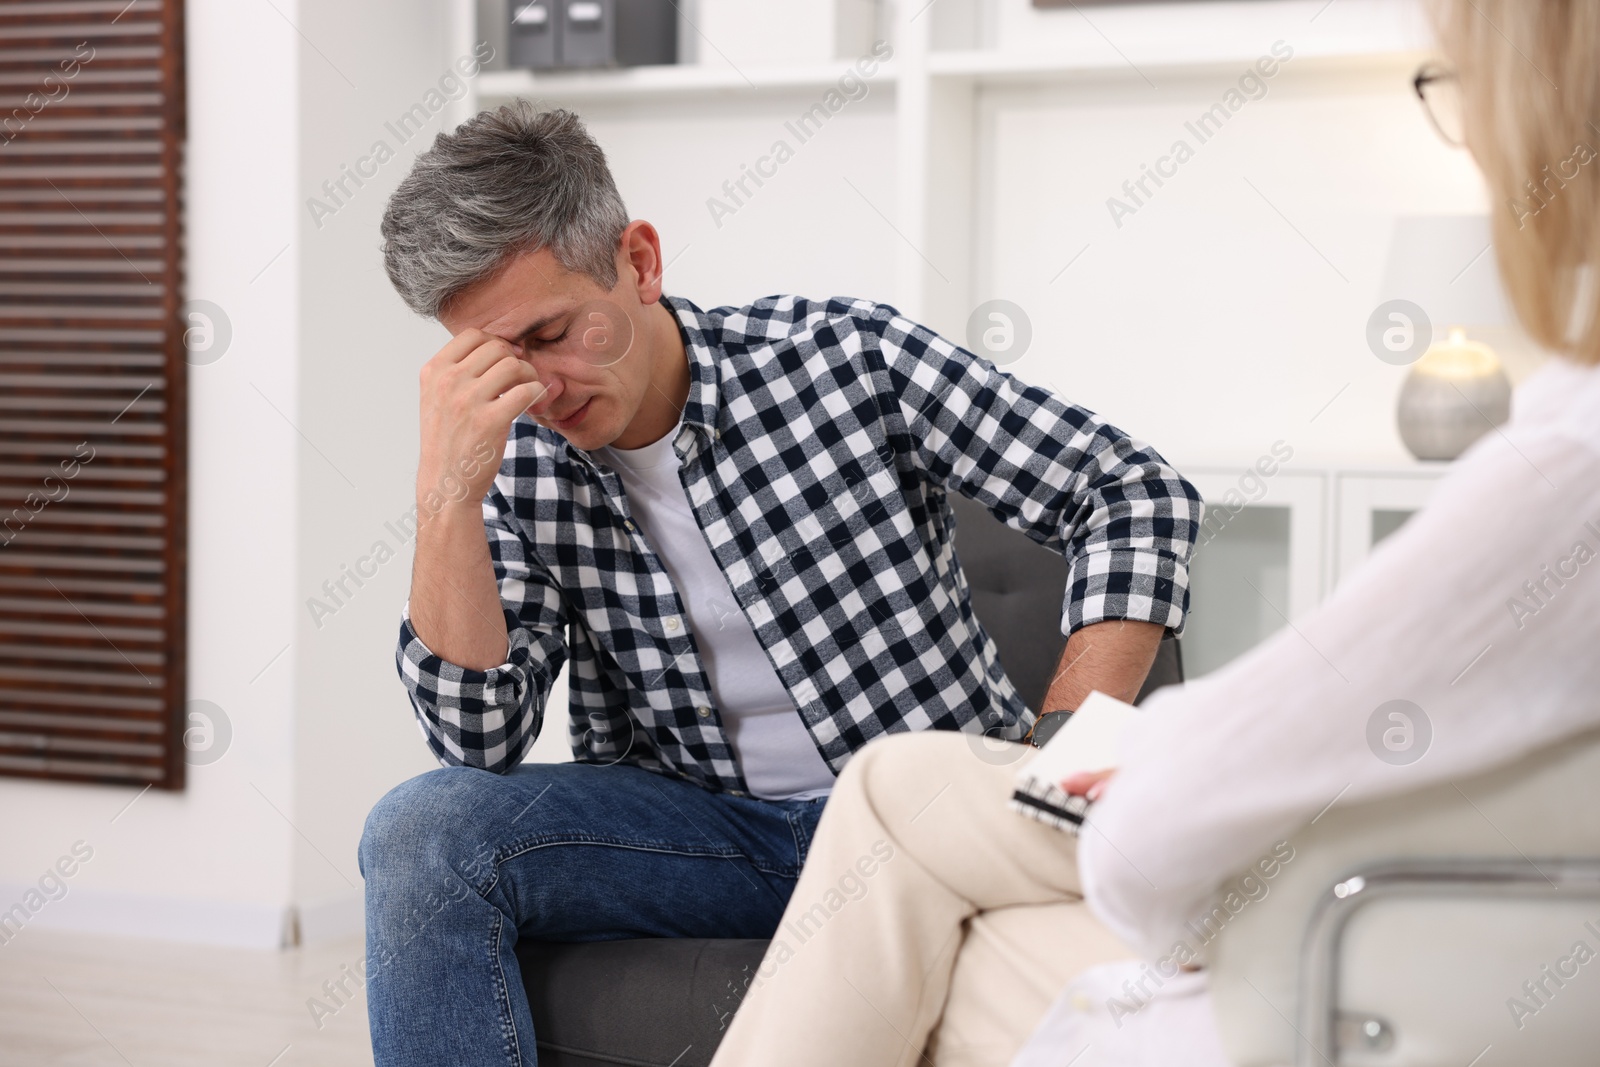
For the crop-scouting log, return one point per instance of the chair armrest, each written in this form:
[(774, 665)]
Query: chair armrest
[(1511, 827)]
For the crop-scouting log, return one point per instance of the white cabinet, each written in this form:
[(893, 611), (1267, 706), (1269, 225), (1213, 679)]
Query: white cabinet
[(1273, 547), (1371, 505)]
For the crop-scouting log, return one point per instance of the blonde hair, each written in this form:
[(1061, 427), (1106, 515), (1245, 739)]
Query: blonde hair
[(1529, 73)]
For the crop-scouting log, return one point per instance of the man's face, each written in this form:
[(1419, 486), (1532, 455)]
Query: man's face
[(585, 343)]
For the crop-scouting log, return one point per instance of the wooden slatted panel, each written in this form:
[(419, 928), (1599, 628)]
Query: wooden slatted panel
[(92, 391)]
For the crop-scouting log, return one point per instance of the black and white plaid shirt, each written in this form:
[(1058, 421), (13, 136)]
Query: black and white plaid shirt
[(817, 443)]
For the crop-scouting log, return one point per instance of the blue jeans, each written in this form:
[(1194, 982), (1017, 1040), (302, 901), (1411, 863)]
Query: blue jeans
[(459, 863)]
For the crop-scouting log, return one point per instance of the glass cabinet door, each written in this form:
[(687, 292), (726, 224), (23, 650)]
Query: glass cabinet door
[(1371, 505), (1258, 562)]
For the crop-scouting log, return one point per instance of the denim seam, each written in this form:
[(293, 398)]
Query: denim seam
[(529, 844), (509, 1018)]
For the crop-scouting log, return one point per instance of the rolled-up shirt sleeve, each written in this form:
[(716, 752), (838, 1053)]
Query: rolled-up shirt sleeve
[(1125, 520), (490, 718)]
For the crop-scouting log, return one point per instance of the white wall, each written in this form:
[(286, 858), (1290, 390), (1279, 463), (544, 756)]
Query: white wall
[(805, 230), (303, 445), (212, 863), (360, 351)]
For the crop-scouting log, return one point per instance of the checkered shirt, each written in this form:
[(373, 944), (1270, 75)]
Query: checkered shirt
[(817, 445)]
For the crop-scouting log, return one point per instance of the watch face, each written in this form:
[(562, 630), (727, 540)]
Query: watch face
[(1046, 726)]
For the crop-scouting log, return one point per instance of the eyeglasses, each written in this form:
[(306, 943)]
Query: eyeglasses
[(1440, 92)]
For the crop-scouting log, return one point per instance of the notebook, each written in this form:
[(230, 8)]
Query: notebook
[(1087, 742)]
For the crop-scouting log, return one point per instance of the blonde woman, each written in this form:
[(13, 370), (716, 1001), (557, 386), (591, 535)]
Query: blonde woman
[(1218, 772)]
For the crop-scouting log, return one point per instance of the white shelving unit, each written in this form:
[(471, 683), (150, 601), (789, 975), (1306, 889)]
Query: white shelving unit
[(683, 82), (936, 149)]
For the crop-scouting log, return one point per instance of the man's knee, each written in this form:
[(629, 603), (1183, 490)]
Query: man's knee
[(424, 822)]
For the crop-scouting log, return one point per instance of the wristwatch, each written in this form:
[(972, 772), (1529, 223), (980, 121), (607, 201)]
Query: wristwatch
[(1046, 725)]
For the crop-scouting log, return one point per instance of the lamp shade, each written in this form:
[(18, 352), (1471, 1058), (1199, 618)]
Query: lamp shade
[(1445, 264)]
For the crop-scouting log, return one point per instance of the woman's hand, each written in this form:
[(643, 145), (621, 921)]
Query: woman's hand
[(1088, 784)]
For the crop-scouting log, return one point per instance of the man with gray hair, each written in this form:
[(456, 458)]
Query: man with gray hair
[(731, 527)]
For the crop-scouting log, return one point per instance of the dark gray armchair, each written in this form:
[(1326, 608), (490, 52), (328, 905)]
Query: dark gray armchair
[(663, 1002)]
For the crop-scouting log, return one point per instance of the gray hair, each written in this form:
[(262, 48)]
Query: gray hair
[(506, 181)]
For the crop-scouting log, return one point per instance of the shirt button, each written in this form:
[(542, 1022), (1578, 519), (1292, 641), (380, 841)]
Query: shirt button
[(705, 713), (672, 624), (628, 523)]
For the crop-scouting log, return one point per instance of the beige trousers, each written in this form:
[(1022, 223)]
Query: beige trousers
[(930, 925)]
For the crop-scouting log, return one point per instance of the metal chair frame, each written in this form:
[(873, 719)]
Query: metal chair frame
[(1497, 877)]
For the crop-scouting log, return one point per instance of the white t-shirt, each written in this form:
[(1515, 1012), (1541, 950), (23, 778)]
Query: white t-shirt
[(771, 743)]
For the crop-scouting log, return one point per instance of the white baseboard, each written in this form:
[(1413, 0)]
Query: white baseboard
[(203, 922), (200, 922)]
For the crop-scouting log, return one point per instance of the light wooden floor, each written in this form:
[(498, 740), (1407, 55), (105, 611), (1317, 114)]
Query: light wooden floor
[(77, 1000)]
